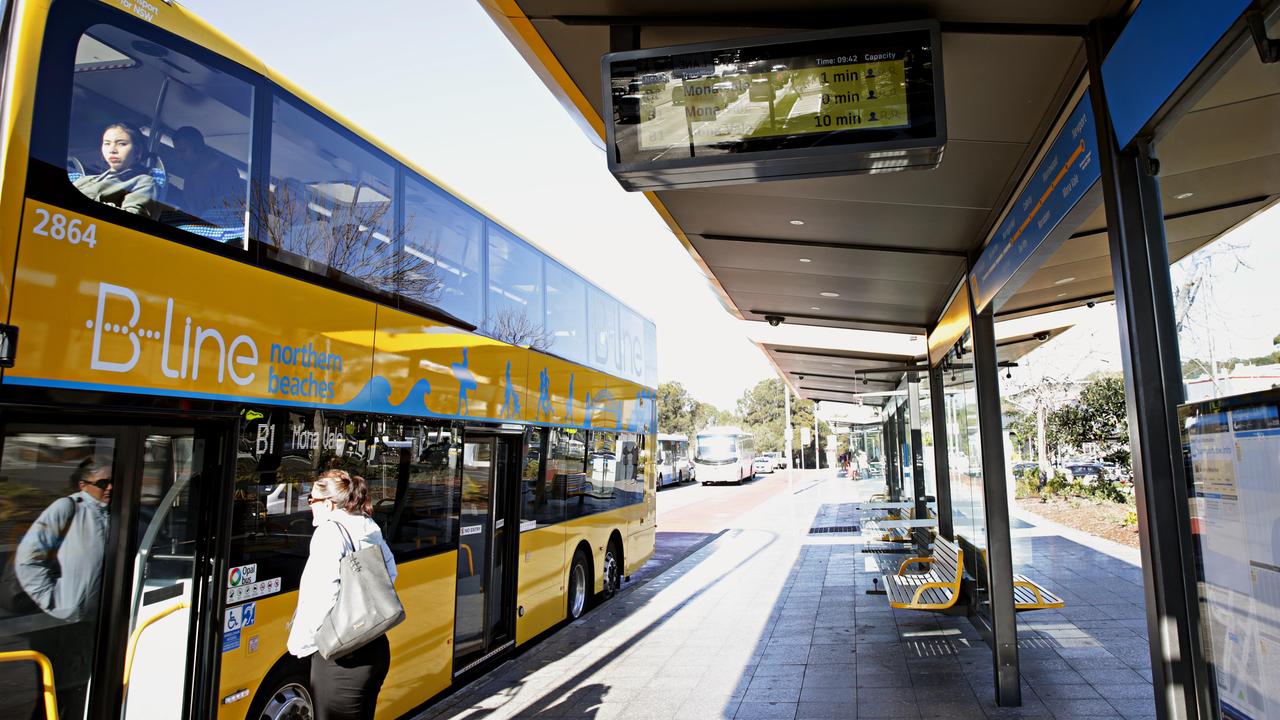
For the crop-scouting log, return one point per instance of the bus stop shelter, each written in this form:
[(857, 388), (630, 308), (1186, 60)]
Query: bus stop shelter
[(1089, 145)]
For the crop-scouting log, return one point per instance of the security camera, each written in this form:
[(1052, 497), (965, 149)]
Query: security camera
[(1042, 336), (800, 376), (774, 320), (1090, 304)]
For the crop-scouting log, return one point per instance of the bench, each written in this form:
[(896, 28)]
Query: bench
[(936, 589), (1027, 593)]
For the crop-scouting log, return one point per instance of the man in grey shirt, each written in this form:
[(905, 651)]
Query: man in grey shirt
[(59, 565)]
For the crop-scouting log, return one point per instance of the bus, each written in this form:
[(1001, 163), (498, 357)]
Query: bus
[(674, 466), (214, 287), (724, 455)]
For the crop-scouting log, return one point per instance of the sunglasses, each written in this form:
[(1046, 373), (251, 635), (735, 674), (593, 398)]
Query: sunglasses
[(101, 483), (312, 500)]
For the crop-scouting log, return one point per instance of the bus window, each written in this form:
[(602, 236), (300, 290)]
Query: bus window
[(279, 455), (159, 134), (515, 292), (542, 491), (444, 239), (329, 206), (422, 517), (603, 470), (567, 469), (566, 313)]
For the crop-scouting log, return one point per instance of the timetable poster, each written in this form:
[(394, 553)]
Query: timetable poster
[(1233, 461)]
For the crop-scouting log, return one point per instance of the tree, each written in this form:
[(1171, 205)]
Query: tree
[(761, 409), (679, 412), (676, 409), (1098, 421)]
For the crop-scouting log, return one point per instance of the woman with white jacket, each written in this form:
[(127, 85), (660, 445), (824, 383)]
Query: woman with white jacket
[(345, 687)]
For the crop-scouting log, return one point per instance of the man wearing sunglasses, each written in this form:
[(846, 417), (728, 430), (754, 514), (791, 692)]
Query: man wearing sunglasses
[(59, 566)]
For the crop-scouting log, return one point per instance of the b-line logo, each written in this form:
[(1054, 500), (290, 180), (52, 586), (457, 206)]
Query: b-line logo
[(202, 347)]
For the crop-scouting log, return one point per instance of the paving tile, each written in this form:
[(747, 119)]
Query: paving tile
[(826, 711), (846, 695), (766, 711)]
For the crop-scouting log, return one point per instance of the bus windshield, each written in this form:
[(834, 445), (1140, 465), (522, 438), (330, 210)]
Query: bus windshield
[(717, 448)]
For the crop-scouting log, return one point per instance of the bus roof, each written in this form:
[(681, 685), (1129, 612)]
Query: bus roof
[(723, 430)]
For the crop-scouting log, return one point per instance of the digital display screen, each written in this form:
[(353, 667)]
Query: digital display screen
[(815, 90)]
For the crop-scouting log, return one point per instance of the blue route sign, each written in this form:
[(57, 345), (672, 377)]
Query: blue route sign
[(1064, 175)]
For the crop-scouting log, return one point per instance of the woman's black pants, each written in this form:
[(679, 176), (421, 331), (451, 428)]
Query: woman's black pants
[(346, 688)]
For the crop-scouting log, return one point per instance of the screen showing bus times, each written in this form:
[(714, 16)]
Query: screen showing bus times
[(835, 91), (1232, 451)]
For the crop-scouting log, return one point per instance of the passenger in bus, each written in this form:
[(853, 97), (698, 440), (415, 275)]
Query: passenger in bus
[(210, 181), (346, 687), (59, 565), (127, 184)]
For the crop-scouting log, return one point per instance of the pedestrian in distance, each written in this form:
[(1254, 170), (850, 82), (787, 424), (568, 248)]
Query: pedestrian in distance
[(346, 687)]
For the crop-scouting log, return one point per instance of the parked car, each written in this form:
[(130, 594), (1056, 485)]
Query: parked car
[(1028, 469), (762, 464), (1088, 472)]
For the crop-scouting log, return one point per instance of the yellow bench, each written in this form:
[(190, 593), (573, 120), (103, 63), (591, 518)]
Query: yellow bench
[(1027, 593), (936, 589)]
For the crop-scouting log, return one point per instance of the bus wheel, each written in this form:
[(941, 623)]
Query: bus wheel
[(578, 585), (612, 570), (284, 696)]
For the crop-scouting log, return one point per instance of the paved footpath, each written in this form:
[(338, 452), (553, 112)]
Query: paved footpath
[(768, 621)]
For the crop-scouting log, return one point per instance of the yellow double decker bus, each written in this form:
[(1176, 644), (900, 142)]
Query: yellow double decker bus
[(213, 288)]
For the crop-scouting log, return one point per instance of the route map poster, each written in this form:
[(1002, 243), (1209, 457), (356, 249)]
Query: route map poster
[(1232, 449)]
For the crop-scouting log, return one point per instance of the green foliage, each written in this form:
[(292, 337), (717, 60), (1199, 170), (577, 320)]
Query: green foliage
[(761, 410), (1131, 518), (681, 413), (1099, 418)]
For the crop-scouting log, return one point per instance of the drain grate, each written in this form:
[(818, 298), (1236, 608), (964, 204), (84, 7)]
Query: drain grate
[(834, 529)]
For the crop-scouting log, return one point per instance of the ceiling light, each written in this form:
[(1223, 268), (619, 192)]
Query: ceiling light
[(1182, 196), (1064, 281), (1062, 294), (805, 260), (829, 294), (815, 307), (797, 222)]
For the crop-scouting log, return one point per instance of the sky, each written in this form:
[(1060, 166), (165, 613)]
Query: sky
[(438, 82)]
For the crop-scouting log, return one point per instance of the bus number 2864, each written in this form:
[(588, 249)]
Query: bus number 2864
[(57, 226)]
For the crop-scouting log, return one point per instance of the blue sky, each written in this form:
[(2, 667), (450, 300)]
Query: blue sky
[(436, 80)]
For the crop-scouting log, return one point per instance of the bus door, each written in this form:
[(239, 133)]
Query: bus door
[(104, 534), (488, 537)]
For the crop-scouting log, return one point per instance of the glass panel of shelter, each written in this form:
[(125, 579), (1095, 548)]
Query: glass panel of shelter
[(964, 465)]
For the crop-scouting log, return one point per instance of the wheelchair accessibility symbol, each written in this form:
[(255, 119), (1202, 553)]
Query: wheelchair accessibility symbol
[(241, 616)]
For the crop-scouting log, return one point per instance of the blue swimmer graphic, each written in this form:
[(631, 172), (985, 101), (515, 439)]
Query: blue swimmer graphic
[(544, 395), (568, 403), (511, 400), (466, 382)]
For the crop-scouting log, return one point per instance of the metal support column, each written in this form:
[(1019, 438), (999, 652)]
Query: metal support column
[(1004, 623), (1153, 388), (941, 465), (920, 535), (889, 436)]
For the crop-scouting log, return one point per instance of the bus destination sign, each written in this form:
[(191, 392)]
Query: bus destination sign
[(803, 105)]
